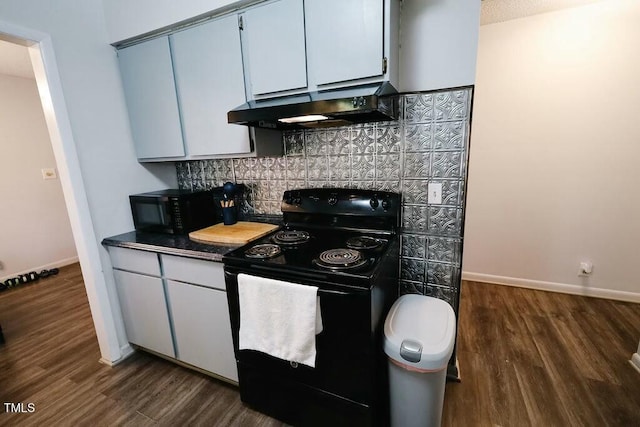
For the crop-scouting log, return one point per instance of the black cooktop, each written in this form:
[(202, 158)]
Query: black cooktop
[(321, 251)]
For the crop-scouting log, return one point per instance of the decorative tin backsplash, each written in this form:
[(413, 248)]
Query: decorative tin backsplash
[(429, 143)]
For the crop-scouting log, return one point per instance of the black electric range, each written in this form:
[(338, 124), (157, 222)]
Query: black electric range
[(345, 243)]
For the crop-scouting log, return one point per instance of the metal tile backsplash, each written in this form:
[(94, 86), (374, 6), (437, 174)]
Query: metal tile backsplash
[(429, 143)]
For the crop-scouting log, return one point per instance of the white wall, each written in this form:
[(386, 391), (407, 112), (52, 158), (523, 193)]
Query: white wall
[(554, 173), (126, 19), (439, 41), (35, 228), (99, 134)]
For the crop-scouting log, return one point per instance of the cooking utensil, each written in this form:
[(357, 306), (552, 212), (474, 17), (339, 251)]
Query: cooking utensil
[(229, 188)]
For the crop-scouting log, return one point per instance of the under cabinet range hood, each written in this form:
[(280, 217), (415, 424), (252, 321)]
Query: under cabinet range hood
[(338, 107)]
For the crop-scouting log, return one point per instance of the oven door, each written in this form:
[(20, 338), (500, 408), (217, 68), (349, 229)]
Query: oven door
[(348, 351)]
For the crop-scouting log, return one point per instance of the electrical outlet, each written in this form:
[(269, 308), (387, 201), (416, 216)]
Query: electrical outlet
[(585, 269), (434, 190), (49, 173)]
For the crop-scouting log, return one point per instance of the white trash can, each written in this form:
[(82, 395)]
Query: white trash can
[(419, 334)]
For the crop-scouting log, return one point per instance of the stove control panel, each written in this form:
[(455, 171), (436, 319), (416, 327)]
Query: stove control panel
[(292, 198), (386, 204), (341, 201)]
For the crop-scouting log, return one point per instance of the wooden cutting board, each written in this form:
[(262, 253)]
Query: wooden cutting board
[(239, 233)]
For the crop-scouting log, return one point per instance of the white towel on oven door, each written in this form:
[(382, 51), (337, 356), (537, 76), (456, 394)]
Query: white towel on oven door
[(279, 318)]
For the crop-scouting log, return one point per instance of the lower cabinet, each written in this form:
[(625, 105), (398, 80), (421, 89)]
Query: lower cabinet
[(198, 305), (202, 329), (144, 310), (179, 310)]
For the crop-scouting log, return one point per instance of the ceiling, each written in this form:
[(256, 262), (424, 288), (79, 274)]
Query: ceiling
[(15, 61), (493, 11)]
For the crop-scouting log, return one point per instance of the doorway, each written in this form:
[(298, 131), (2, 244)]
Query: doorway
[(45, 69), (36, 232)]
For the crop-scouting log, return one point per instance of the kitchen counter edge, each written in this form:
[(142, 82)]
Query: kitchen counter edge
[(179, 245)]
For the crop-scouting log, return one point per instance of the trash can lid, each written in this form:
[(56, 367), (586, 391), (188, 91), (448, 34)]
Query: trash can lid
[(420, 332)]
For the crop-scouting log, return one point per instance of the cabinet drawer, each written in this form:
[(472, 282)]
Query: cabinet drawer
[(204, 273), (135, 260)]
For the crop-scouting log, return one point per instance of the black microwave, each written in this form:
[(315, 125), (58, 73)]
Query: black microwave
[(173, 211)]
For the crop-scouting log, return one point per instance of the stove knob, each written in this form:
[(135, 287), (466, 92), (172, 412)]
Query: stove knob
[(287, 198), (373, 203), (386, 204), (297, 200), (333, 199)]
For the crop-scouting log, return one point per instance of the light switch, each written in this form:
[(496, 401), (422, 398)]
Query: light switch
[(49, 173), (435, 193)]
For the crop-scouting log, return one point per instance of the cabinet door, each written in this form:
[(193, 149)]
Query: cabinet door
[(144, 310), (207, 60), (273, 37), (149, 88), (344, 39), (202, 328)]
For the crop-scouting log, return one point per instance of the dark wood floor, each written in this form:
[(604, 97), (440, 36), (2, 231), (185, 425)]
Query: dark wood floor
[(534, 358), (526, 358)]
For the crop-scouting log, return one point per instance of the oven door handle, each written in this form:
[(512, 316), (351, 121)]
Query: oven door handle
[(316, 276), (330, 291), (300, 273), (327, 291)]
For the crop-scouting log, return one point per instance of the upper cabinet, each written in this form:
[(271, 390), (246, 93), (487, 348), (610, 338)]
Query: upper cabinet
[(179, 89), (344, 39), (293, 46), (207, 62), (147, 78), (274, 43)]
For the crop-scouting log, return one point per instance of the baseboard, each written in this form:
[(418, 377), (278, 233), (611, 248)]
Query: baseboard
[(552, 287), (125, 351), (55, 264), (635, 361)]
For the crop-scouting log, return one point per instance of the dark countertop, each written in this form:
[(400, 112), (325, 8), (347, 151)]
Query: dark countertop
[(179, 245)]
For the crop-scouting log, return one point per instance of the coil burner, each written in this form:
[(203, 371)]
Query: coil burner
[(263, 251), (364, 242), (341, 259), (291, 237)]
